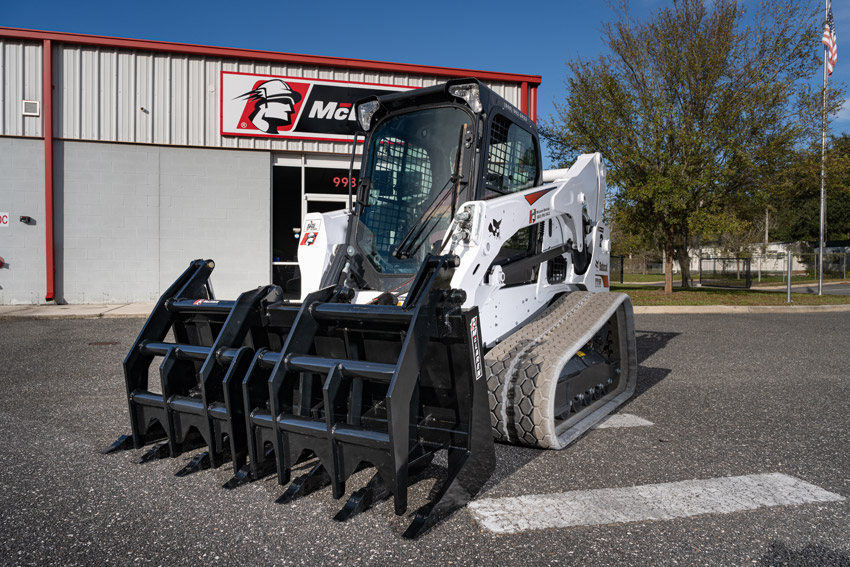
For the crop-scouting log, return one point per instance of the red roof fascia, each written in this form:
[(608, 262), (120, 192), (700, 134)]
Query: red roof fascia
[(235, 53)]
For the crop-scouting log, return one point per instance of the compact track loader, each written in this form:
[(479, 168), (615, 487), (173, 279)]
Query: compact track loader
[(461, 298)]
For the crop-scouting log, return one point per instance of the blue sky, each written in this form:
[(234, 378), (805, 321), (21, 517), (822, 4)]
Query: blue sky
[(518, 37)]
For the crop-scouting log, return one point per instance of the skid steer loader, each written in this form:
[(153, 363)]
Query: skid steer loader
[(456, 301)]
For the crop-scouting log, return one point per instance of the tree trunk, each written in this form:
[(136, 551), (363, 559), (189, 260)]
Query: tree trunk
[(684, 265), (668, 265)]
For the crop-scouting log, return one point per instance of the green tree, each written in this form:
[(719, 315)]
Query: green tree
[(696, 111), (796, 200)]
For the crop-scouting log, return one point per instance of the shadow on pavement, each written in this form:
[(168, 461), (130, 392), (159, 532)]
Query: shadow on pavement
[(810, 555), (510, 458)]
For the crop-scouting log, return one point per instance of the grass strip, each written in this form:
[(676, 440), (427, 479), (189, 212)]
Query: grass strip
[(644, 295)]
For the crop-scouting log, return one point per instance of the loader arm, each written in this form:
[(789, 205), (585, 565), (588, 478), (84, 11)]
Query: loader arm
[(482, 229)]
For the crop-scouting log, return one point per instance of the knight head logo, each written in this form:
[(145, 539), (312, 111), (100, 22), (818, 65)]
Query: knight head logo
[(494, 228), (273, 103)]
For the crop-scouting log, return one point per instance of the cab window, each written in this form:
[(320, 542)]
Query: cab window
[(512, 158)]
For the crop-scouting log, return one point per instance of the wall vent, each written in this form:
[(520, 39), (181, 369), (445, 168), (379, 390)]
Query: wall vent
[(30, 108)]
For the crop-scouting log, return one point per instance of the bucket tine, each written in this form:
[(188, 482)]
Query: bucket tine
[(364, 498), (199, 462), (159, 451), (376, 490), (123, 443), (316, 479)]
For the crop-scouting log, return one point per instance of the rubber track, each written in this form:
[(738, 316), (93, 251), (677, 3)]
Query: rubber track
[(523, 369)]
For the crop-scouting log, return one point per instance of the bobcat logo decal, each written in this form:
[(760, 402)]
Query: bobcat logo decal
[(494, 228)]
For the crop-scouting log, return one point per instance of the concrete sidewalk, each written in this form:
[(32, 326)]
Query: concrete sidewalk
[(142, 310), (131, 310)]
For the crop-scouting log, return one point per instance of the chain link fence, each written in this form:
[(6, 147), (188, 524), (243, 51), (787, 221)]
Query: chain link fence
[(617, 263), (643, 266), (725, 272), (769, 268), (764, 268)]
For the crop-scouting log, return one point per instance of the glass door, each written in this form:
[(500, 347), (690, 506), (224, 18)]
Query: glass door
[(320, 184)]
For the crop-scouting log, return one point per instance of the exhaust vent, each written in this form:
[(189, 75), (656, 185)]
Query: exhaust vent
[(30, 108)]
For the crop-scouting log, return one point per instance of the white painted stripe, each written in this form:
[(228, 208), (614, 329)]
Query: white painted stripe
[(648, 502), (623, 420)]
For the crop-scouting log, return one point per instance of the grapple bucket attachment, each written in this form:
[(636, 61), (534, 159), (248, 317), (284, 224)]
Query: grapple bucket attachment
[(386, 385), (199, 401)]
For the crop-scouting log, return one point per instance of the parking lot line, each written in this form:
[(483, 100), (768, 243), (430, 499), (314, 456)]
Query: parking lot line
[(623, 420), (648, 502)]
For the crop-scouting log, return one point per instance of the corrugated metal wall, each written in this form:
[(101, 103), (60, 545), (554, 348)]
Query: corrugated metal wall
[(160, 98), (20, 71), (113, 95)]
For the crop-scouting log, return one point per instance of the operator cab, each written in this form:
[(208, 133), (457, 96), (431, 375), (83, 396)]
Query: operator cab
[(427, 152)]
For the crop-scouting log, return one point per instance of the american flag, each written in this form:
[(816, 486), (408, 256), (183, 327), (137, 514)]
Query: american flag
[(830, 40)]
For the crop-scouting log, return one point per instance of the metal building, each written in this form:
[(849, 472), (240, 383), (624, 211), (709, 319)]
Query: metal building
[(121, 160)]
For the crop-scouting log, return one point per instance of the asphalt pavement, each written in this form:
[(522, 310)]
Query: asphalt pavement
[(841, 288), (727, 395)]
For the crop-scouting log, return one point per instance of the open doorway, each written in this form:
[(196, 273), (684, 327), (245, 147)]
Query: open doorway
[(296, 191)]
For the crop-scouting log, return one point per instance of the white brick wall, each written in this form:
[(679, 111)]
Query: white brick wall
[(22, 279), (135, 216)]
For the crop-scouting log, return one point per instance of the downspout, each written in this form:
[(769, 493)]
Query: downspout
[(47, 97)]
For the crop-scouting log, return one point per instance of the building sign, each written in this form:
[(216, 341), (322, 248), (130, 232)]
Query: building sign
[(287, 107), (4, 220)]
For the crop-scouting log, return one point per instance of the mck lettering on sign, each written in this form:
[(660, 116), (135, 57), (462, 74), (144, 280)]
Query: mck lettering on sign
[(288, 107)]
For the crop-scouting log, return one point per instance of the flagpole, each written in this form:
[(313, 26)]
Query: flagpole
[(823, 164)]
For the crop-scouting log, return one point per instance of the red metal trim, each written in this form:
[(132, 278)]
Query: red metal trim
[(47, 126), (235, 53)]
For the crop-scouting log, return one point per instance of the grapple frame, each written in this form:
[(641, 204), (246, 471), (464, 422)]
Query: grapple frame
[(346, 384)]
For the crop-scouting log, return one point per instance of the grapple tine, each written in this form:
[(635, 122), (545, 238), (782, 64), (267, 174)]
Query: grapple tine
[(459, 496), (364, 498), (123, 443), (251, 472), (242, 476), (159, 451), (376, 490), (316, 479), (199, 462)]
